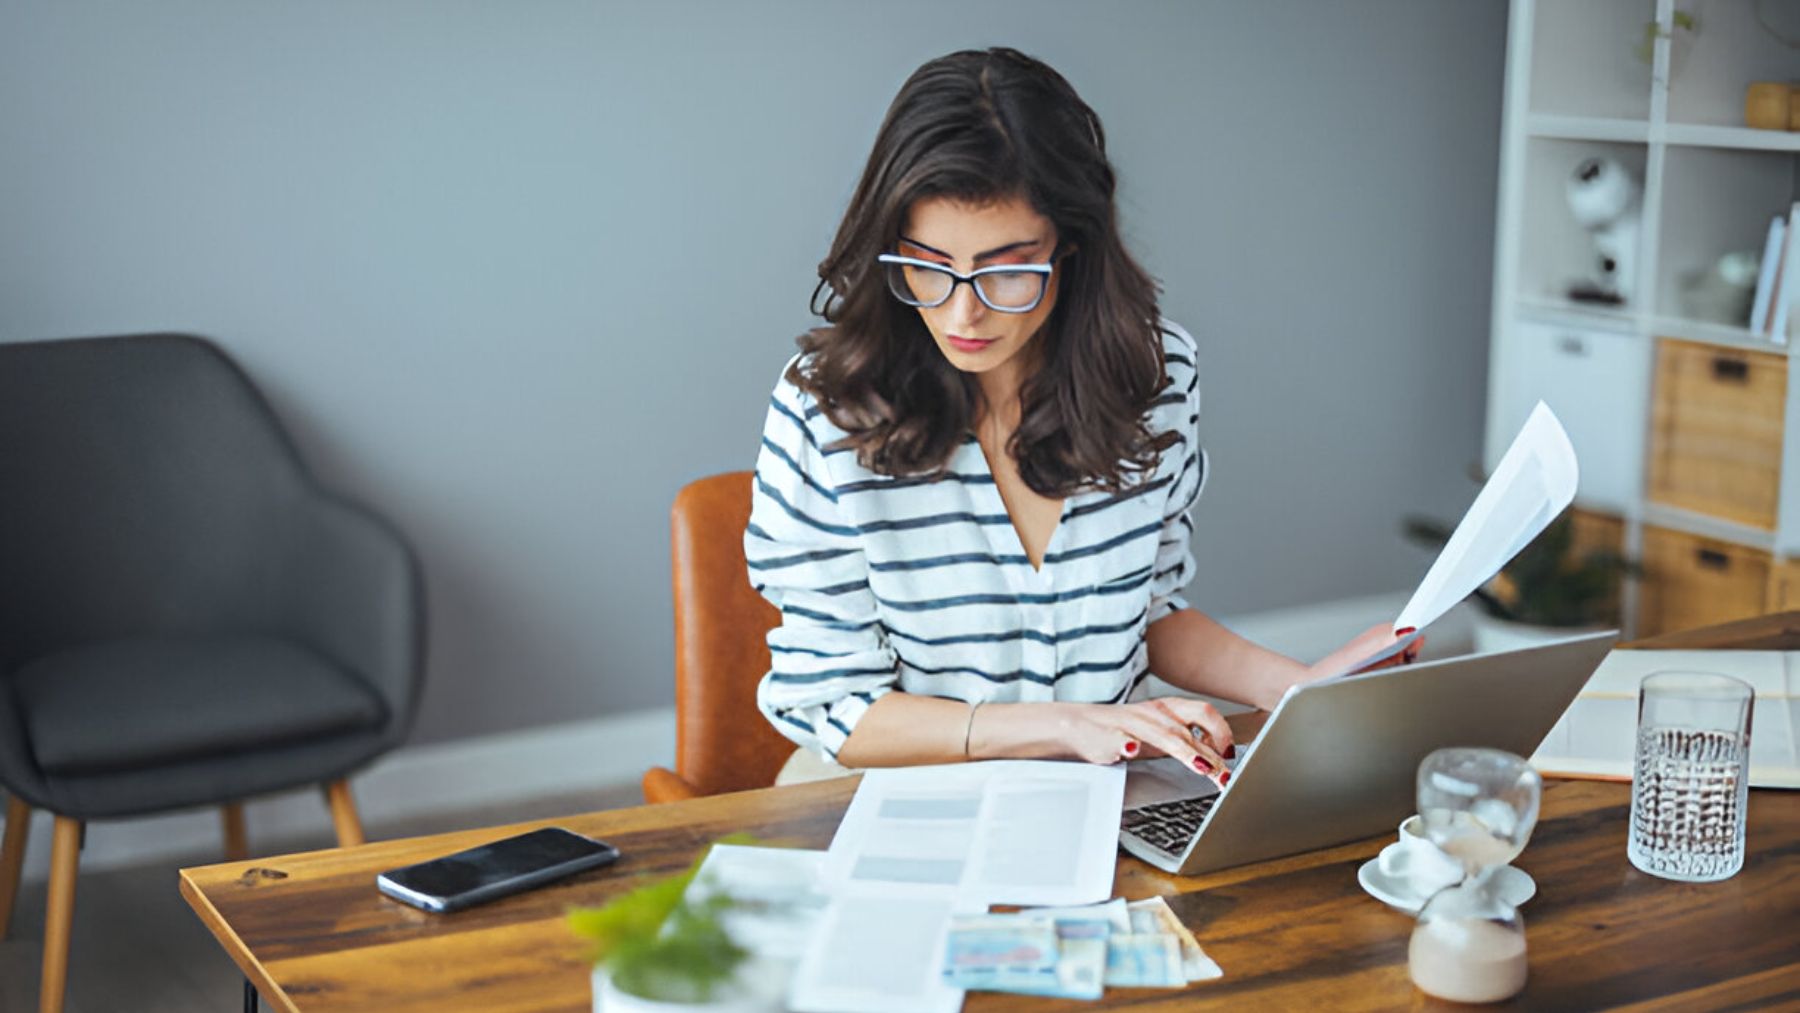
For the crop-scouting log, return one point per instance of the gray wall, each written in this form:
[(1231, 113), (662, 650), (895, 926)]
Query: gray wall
[(514, 272)]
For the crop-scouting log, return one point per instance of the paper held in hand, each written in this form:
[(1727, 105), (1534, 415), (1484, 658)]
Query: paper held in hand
[(1534, 483)]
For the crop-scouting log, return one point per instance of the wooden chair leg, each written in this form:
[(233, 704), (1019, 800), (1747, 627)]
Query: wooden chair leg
[(65, 857), (343, 814), (237, 842), (12, 857)]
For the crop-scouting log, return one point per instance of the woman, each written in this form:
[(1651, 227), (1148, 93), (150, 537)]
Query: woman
[(972, 497)]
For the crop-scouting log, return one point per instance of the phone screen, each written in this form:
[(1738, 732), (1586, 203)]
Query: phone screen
[(510, 859)]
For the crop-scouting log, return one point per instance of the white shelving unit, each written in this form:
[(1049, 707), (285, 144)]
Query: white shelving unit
[(1577, 88)]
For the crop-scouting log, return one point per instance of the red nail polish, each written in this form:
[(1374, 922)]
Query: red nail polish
[(1231, 751), (1406, 632), (1202, 766), (1224, 778), (1131, 748)]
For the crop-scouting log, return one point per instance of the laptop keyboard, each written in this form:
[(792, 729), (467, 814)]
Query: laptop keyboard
[(1168, 825)]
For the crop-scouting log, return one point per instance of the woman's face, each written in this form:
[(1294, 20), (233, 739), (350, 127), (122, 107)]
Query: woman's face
[(963, 236)]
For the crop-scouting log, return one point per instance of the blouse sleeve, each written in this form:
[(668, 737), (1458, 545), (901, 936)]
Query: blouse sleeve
[(1174, 558), (829, 658)]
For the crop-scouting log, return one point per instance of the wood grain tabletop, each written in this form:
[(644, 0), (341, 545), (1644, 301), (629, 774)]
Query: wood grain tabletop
[(311, 931)]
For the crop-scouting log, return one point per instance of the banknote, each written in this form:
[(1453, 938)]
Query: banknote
[(1074, 952), (1154, 915), (988, 945), (1002, 979), (1029, 955), (1113, 912), (1072, 928), (1144, 960), (1081, 973)]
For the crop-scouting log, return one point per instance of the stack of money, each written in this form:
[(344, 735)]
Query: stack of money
[(1153, 919), (1074, 953)]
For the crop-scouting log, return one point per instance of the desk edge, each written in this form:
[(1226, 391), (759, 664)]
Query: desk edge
[(234, 946)]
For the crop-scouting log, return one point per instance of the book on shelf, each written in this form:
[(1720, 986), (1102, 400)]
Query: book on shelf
[(1787, 284), (1767, 275)]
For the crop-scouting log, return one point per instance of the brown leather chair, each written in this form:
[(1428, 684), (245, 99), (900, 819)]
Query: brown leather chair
[(722, 742)]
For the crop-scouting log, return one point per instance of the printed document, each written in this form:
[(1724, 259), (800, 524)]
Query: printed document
[(920, 844), (780, 893), (777, 911)]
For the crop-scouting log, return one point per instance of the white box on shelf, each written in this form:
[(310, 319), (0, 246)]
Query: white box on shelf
[(1597, 382)]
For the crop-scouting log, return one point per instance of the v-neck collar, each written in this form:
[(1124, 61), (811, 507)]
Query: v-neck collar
[(1004, 539)]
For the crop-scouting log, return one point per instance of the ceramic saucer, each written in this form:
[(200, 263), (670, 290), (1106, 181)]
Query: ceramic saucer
[(1514, 885)]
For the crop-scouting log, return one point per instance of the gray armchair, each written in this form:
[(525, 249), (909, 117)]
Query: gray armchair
[(186, 618)]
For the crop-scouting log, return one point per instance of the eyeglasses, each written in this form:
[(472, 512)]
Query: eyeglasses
[(1008, 288)]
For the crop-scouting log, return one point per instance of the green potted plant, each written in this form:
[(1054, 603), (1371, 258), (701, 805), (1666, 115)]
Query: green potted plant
[(1550, 590), (665, 948), (1683, 27)]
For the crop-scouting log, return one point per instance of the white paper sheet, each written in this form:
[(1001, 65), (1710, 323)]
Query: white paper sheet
[(784, 894), (1534, 482), (1000, 832), (920, 844), (878, 952), (784, 905)]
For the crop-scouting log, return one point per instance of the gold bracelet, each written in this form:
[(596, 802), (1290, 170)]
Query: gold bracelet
[(969, 729)]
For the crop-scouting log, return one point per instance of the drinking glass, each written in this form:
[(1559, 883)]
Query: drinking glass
[(1479, 806), (1690, 782)]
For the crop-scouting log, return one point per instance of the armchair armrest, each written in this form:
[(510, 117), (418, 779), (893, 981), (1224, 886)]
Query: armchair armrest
[(664, 785), (352, 590), (18, 769)]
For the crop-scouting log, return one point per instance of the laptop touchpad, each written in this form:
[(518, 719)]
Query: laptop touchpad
[(1163, 780)]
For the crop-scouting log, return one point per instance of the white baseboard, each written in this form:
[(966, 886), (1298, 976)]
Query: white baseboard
[(598, 755)]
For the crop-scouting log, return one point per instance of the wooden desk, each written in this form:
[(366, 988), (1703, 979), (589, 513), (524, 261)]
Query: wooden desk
[(313, 935), (1291, 933)]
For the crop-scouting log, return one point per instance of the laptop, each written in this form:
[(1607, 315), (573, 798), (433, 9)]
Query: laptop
[(1337, 759)]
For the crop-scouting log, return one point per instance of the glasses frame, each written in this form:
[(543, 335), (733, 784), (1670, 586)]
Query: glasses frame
[(1043, 271)]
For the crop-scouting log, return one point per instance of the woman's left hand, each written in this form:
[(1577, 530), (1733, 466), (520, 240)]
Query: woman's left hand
[(1367, 644)]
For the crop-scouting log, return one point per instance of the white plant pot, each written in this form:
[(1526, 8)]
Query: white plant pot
[(1493, 634), (758, 988)]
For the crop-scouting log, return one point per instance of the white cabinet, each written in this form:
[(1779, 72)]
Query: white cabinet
[(1582, 83), (1597, 382)]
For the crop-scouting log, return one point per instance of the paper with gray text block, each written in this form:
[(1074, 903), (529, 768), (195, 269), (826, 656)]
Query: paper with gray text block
[(1023, 832), (920, 844)]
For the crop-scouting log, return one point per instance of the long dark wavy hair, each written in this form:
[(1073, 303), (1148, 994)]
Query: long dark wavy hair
[(980, 126)]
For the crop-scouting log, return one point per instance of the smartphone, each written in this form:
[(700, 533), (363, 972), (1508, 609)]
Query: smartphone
[(495, 870)]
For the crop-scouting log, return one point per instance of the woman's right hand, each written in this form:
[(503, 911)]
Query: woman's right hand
[(1367, 644), (1108, 733)]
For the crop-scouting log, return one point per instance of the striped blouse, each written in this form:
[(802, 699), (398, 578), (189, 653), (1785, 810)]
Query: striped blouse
[(922, 585)]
